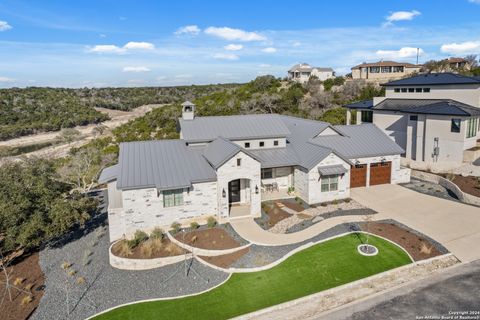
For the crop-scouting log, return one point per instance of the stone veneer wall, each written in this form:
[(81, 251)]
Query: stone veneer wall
[(300, 182)]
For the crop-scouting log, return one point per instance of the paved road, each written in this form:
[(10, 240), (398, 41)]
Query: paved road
[(457, 292)]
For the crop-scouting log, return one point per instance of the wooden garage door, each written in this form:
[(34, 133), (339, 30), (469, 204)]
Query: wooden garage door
[(358, 176), (380, 173)]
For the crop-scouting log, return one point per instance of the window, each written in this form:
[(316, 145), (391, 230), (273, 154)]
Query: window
[(472, 127), (398, 69), (172, 198), (247, 145), (404, 89), (386, 69), (275, 142), (262, 144), (239, 162), (413, 118), (418, 89), (329, 183), (426, 89), (367, 116), (411, 89), (455, 126), (375, 69), (267, 173), (396, 89)]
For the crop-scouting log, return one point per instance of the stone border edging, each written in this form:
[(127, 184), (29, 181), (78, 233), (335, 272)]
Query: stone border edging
[(434, 178), (205, 252), (142, 264)]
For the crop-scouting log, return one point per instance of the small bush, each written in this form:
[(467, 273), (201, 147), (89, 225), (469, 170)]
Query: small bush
[(66, 265), (348, 200), (335, 202), (81, 280), (18, 281), (176, 227), (157, 233), (173, 249), (138, 237), (426, 249), (194, 225), (26, 300), (72, 272), (211, 222), (194, 239), (323, 204), (146, 249), (124, 248), (28, 287)]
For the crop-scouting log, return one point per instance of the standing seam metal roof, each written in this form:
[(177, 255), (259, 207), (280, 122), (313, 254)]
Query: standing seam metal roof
[(428, 106)]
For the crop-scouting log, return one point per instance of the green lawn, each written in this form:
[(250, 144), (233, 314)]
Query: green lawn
[(320, 267)]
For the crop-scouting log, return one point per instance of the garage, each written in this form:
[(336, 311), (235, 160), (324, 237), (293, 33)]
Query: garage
[(358, 176), (380, 173)]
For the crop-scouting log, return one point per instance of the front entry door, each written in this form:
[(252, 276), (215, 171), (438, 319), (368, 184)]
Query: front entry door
[(234, 191)]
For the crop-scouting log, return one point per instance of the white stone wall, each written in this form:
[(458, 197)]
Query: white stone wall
[(143, 209), (249, 169), (300, 182), (114, 196), (314, 182)]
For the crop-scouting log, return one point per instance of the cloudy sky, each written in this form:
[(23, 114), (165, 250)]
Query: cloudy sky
[(148, 43)]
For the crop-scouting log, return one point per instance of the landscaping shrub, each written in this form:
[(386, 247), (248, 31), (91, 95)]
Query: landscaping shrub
[(348, 200), (81, 280), (173, 249), (18, 281), (139, 237), (124, 248), (211, 222), (26, 300), (157, 233), (194, 225), (176, 227), (29, 287)]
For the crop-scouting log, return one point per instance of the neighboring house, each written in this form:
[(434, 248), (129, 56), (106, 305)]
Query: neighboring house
[(458, 63), (383, 70), (302, 72), (225, 166), (434, 117)]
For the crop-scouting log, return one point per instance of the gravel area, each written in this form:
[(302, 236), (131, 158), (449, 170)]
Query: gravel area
[(106, 286), (429, 188)]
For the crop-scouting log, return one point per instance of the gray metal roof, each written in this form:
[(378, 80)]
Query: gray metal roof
[(434, 79), (109, 174), (365, 104), (305, 67), (365, 140), (220, 151), (331, 170), (255, 126), (277, 157), (163, 164), (428, 106)]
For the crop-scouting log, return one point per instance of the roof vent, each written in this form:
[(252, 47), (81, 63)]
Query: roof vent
[(188, 110)]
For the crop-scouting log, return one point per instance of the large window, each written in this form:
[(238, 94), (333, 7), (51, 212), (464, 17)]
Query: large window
[(367, 116), (398, 69), (172, 198), (374, 69), (455, 126), (329, 183), (472, 127), (386, 69), (267, 173)]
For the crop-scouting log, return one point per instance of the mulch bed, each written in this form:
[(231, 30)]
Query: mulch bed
[(168, 249), (275, 214), (292, 205), (211, 239), (28, 269), (418, 247), (470, 185), (226, 260)]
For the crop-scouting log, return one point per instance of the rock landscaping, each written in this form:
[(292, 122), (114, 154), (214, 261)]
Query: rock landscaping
[(431, 189)]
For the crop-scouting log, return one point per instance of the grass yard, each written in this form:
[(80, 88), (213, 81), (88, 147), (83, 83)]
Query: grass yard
[(320, 267)]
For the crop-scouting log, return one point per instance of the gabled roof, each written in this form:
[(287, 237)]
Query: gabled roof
[(434, 79), (109, 174), (220, 151), (428, 106), (364, 140), (365, 104), (163, 164), (239, 127), (305, 67), (386, 64)]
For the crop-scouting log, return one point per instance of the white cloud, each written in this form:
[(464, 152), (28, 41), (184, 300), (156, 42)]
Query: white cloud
[(462, 47), (191, 29), (269, 50), (402, 15), (225, 56), (6, 79), (474, 1), (296, 44), (107, 48), (139, 45), (102, 35), (405, 52), (233, 47), (264, 65), (234, 34), (135, 69), (4, 26), (183, 76)]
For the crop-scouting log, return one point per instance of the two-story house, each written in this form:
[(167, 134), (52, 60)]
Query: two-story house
[(382, 71), (302, 72), (434, 117)]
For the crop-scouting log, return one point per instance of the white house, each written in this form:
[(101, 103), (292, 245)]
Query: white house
[(383, 70), (224, 166), (302, 72), (434, 117)]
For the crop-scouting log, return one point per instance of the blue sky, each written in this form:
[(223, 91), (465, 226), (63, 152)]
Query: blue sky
[(155, 43)]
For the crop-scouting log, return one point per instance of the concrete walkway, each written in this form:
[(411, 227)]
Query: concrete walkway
[(454, 225)]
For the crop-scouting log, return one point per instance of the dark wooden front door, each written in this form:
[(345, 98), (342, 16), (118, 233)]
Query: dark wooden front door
[(380, 173), (234, 191), (358, 176)]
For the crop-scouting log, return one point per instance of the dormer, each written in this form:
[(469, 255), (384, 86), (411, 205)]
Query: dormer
[(188, 110)]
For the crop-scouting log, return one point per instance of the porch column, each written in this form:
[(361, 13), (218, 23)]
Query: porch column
[(348, 120)]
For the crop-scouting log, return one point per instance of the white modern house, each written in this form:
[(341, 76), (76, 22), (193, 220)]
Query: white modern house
[(382, 71), (434, 117), (225, 166), (303, 71)]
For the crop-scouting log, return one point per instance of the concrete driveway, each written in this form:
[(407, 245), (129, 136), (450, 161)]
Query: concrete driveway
[(454, 225)]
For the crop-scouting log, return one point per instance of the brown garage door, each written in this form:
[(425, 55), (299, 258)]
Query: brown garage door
[(358, 176), (380, 173)]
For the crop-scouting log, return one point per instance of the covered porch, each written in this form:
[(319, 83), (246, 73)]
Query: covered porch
[(276, 182)]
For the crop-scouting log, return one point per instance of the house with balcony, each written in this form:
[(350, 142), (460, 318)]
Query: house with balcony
[(303, 71), (434, 117), (225, 166), (382, 71)]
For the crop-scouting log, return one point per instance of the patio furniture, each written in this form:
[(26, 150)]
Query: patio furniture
[(275, 186)]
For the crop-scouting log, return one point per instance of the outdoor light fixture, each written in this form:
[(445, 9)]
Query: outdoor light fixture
[(223, 193), (256, 189)]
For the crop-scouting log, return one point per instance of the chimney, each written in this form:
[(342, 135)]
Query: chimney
[(188, 110)]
